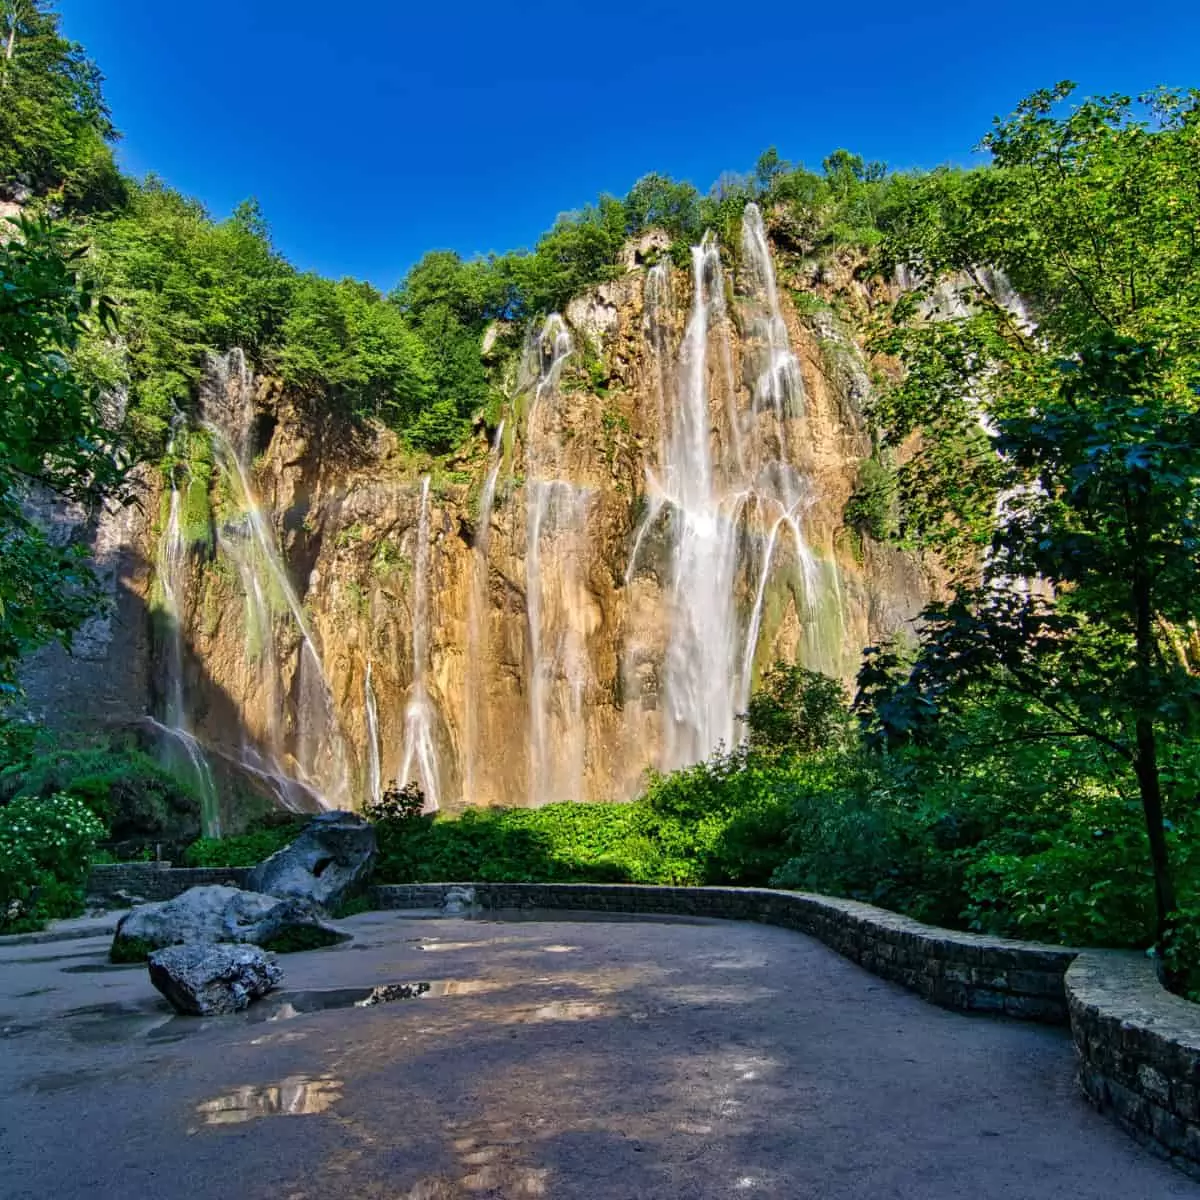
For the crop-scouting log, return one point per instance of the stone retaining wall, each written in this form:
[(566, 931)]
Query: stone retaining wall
[(1139, 1052), (956, 970), (109, 884)]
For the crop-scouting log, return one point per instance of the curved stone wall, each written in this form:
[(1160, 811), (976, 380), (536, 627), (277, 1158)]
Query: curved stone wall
[(1139, 1051)]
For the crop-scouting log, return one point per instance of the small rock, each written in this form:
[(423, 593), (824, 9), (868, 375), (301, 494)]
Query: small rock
[(458, 900), (210, 980)]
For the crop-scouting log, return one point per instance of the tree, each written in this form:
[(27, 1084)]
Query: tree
[(1090, 216), (54, 126), (1084, 480), (53, 435)]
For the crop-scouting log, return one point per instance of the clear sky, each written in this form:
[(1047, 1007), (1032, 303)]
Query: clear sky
[(373, 131)]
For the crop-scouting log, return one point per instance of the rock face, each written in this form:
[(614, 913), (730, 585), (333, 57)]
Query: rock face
[(205, 980), (658, 510), (326, 865), (220, 914)]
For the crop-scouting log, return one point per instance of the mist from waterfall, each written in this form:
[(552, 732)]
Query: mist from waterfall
[(419, 763)]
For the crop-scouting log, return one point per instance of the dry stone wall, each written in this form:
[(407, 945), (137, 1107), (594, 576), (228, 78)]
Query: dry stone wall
[(1139, 1052)]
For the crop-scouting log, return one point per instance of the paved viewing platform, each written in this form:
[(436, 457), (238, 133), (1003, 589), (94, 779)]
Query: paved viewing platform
[(557, 1055)]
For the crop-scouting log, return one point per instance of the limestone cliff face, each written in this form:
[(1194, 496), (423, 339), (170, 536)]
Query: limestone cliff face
[(589, 592)]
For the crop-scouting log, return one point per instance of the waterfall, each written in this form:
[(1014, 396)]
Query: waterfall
[(374, 768), (419, 763), (700, 657), (736, 500), (171, 568), (477, 641), (556, 543), (782, 491), (658, 303), (778, 387), (315, 768)]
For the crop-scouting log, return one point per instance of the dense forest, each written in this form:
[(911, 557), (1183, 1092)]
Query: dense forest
[(1028, 765)]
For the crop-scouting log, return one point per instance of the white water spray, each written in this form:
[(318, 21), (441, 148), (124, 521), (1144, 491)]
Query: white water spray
[(419, 763)]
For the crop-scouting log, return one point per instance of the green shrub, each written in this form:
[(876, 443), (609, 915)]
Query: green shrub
[(46, 845), (246, 850), (135, 797), (130, 950)]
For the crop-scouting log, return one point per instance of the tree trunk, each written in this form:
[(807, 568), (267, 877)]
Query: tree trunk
[(10, 45), (1145, 763), (1150, 785)]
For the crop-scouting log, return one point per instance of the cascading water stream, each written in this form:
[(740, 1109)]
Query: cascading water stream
[(419, 763), (477, 647), (318, 762), (784, 493), (374, 767), (556, 511), (171, 570), (705, 525)]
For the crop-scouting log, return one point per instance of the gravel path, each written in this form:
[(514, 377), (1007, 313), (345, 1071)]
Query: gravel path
[(561, 1058)]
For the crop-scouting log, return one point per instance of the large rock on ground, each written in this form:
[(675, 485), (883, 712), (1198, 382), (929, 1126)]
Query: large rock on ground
[(327, 864), (204, 980), (221, 914)]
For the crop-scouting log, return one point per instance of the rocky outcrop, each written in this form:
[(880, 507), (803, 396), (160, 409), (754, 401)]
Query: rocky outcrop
[(221, 914), (328, 864), (514, 625), (207, 981)]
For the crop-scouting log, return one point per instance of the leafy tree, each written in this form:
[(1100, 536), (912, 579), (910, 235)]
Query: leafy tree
[(344, 341), (1091, 216), (186, 286), (54, 126), (1112, 526), (1088, 429), (656, 200), (53, 435)]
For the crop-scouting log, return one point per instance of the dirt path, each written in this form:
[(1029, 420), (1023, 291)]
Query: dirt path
[(572, 1058)]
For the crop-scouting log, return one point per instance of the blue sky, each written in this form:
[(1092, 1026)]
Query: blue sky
[(374, 131)]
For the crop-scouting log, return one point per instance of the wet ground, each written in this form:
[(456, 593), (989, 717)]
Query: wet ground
[(577, 1058)]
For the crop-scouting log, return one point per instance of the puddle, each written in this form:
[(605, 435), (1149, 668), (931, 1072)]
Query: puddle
[(296, 1096)]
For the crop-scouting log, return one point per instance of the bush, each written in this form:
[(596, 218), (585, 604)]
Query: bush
[(127, 790), (46, 846), (717, 822), (247, 850), (795, 711)]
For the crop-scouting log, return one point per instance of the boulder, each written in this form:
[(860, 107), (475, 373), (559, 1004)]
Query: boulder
[(205, 980), (326, 865), (221, 914)]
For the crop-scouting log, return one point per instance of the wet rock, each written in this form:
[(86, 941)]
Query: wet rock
[(329, 862), (221, 914), (205, 980), (458, 900)]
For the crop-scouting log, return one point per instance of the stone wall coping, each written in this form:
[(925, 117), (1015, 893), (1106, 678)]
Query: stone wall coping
[(1123, 988)]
